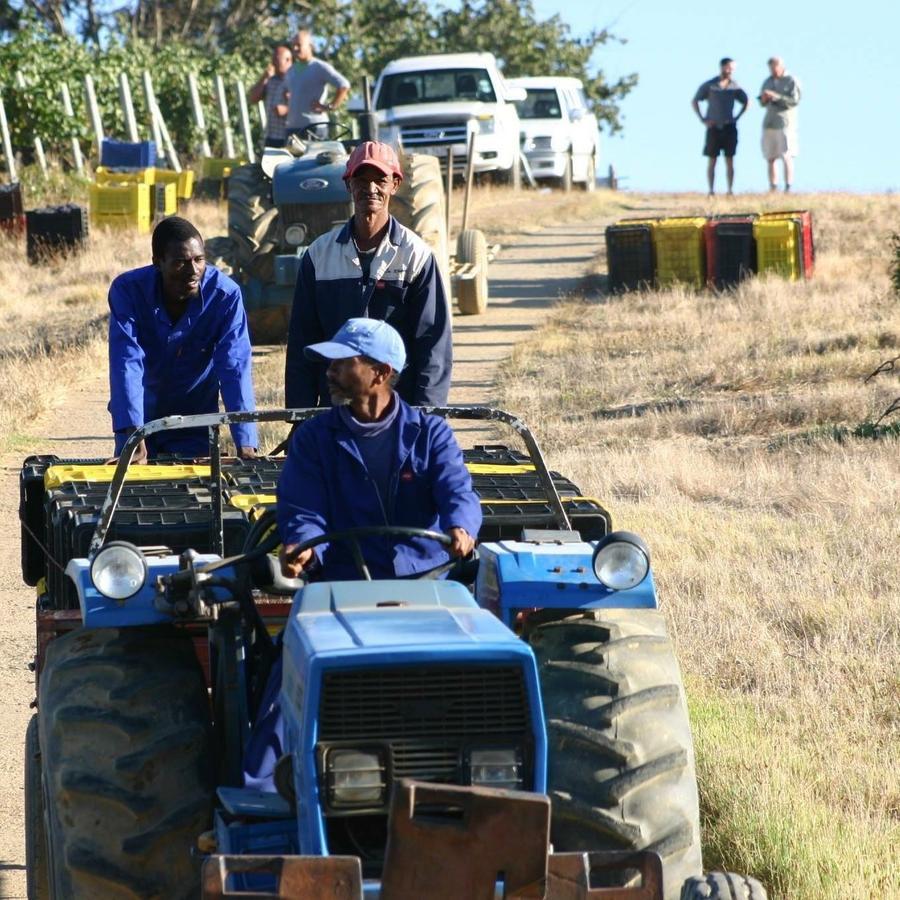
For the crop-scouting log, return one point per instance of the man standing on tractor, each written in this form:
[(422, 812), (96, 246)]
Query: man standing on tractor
[(307, 80), (273, 87), (372, 460), (720, 94), (177, 338), (374, 267)]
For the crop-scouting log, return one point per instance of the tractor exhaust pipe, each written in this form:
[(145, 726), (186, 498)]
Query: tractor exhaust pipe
[(368, 121)]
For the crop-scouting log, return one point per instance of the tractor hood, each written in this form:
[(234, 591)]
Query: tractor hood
[(312, 179)]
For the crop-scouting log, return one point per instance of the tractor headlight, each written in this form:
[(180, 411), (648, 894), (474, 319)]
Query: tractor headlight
[(496, 767), (295, 235), (621, 560), (486, 124), (119, 570), (355, 778)]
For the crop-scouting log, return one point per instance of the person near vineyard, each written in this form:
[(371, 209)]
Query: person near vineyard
[(780, 94), (272, 88), (308, 80), (177, 339), (372, 267)]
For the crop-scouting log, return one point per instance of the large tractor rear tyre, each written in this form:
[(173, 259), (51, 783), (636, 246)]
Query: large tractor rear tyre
[(419, 205), (127, 764), (472, 293), (723, 886), (252, 217), (37, 880), (221, 253), (621, 760)]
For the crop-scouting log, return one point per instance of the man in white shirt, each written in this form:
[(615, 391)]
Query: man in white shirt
[(780, 94)]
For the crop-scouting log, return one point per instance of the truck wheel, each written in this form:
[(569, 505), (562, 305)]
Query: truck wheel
[(565, 182), (620, 757), (472, 293), (419, 205), (221, 252), (127, 764), (36, 872), (723, 886), (590, 183), (252, 216)]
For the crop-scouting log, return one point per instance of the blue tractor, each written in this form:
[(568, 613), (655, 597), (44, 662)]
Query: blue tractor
[(439, 733)]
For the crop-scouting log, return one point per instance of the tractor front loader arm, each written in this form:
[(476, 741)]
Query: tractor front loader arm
[(453, 843)]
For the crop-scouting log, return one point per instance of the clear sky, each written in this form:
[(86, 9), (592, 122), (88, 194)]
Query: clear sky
[(845, 53)]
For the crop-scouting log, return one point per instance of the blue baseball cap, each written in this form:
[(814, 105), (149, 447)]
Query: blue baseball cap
[(363, 337)]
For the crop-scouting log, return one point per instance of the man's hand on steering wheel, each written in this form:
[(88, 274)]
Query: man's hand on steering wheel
[(293, 566), (462, 542)]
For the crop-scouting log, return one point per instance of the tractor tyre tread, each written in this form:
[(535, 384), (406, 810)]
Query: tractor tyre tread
[(127, 762), (722, 886), (252, 215), (37, 884), (472, 293)]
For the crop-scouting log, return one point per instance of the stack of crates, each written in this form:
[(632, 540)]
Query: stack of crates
[(788, 245), (12, 212), (55, 229), (629, 255), (165, 200), (680, 251), (730, 250), (214, 174), (119, 205), (183, 181)]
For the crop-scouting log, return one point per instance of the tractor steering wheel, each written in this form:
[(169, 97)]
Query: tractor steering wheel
[(333, 131), (352, 536)]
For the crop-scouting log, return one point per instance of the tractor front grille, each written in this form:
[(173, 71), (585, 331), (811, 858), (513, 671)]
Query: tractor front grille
[(318, 218), (427, 715), (434, 134)]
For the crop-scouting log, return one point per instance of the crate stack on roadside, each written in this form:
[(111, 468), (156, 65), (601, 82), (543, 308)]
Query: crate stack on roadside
[(130, 191), (48, 231), (709, 251)]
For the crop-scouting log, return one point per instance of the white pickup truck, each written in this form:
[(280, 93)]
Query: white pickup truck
[(560, 135), (428, 104)]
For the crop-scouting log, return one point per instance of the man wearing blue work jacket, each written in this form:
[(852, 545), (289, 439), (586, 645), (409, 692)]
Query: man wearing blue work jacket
[(177, 339), (372, 460)]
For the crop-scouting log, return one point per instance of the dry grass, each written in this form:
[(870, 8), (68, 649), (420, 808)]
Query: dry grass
[(706, 423)]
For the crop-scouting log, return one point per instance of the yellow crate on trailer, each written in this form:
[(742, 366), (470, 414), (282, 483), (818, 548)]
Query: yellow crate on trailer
[(215, 168), (166, 200), (121, 205), (183, 181), (778, 248), (680, 251), (105, 175)]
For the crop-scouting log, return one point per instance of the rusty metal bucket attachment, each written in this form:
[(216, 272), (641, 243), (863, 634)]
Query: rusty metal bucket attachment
[(306, 877), (569, 875), (448, 843)]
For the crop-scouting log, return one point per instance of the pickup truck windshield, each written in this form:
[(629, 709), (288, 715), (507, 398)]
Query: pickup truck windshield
[(435, 86), (539, 103)]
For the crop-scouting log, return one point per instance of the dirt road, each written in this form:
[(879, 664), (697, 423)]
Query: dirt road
[(529, 276)]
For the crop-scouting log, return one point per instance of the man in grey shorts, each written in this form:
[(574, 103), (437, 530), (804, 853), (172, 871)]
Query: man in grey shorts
[(780, 94), (307, 81), (720, 94)]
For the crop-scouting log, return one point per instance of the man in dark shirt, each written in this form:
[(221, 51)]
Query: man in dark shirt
[(720, 95)]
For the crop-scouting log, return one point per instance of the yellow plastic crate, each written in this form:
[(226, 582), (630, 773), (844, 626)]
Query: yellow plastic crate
[(680, 251), (778, 248), (103, 474), (216, 168), (121, 206), (166, 201), (105, 175), (183, 181)]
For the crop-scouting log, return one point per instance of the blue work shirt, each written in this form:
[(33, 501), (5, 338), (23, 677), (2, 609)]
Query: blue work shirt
[(160, 368), (403, 287), (325, 486)]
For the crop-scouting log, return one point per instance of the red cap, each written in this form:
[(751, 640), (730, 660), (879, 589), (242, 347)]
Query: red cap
[(374, 153)]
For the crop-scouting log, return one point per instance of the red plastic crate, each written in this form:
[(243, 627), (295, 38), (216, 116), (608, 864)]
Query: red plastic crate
[(803, 218)]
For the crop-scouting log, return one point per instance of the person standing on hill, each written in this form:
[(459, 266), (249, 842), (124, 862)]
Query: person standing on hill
[(177, 340), (720, 94), (273, 88), (307, 80), (780, 94)]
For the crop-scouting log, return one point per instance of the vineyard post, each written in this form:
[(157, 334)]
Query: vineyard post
[(150, 97), (263, 118), (245, 120), (167, 140), (7, 143), (199, 119), (70, 114), (128, 108), (38, 143), (94, 113), (223, 115)]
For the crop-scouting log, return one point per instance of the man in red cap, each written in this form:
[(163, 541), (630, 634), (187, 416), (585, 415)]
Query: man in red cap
[(371, 267)]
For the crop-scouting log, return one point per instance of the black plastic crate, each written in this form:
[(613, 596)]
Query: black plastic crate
[(505, 521), (55, 229), (730, 252), (496, 454), (11, 201), (630, 258)]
